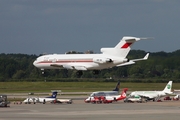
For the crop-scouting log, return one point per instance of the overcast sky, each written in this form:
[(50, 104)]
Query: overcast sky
[(58, 26)]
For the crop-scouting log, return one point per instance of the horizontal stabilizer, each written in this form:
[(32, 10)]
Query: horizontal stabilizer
[(145, 58), (134, 60)]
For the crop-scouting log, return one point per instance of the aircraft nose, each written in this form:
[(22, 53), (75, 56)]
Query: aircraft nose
[(35, 63)]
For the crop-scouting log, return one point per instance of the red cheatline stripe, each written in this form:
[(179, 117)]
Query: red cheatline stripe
[(126, 45), (66, 61)]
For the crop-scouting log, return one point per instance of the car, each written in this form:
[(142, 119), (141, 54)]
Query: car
[(167, 98), (133, 99), (176, 97)]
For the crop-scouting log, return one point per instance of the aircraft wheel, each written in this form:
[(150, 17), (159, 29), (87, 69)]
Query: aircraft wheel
[(96, 72), (44, 101), (79, 73)]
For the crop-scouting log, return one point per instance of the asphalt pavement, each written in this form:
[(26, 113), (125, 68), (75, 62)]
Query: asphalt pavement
[(166, 110)]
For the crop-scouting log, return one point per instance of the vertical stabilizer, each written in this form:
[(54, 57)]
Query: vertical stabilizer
[(54, 94), (168, 87), (122, 48), (117, 87), (123, 94)]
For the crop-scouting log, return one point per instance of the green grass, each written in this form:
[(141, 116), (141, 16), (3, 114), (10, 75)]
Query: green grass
[(26, 87)]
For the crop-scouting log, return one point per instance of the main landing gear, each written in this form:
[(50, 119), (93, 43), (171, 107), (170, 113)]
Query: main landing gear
[(80, 73), (95, 72)]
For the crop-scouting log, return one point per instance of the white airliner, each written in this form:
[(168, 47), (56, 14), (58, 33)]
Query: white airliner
[(41, 99), (154, 95), (107, 96), (110, 57), (114, 92)]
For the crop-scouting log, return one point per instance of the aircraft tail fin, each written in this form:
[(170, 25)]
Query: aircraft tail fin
[(168, 87), (53, 95), (117, 86), (124, 92), (122, 48)]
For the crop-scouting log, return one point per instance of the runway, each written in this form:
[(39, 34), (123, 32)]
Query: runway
[(86, 111)]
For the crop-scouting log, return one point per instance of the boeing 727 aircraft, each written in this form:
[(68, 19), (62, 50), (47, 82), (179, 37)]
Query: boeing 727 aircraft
[(110, 57)]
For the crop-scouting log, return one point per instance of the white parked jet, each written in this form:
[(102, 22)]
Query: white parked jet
[(114, 93), (154, 95), (106, 96), (110, 57), (41, 99)]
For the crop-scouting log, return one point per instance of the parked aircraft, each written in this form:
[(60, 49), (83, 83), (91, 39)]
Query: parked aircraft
[(41, 99), (154, 95), (110, 57), (105, 97), (115, 91)]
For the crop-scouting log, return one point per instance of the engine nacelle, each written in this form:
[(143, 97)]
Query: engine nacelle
[(102, 60)]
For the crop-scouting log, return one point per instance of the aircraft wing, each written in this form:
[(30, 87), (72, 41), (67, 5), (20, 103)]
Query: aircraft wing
[(167, 93), (177, 92), (134, 60), (69, 66), (148, 96)]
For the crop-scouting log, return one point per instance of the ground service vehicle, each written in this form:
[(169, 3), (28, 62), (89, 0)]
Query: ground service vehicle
[(3, 101), (133, 99), (167, 98)]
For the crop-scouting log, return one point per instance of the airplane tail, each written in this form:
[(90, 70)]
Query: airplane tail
[(168, 87), (117, 86), (123, 94), (53, 95), (122, 48)]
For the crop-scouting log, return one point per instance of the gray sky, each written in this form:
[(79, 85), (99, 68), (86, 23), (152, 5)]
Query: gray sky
[(58, 26)]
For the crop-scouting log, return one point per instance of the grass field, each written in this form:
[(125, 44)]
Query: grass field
[(26, 87)]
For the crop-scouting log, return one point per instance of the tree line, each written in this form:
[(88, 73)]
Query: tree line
[(159, 66)]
